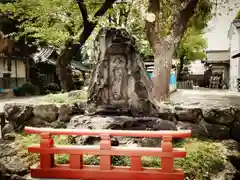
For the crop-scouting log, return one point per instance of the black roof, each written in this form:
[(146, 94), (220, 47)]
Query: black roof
[(48, 55), (236, 55)]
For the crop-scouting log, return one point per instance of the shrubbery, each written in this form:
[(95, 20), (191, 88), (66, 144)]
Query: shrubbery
[(204, 158), (52, 88)]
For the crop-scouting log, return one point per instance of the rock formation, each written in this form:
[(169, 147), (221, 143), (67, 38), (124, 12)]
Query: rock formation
[(119, 81)]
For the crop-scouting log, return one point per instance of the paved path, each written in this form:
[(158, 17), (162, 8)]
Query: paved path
[(206, 97)]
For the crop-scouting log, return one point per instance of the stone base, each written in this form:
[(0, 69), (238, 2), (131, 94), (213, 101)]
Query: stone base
[(120, 123)]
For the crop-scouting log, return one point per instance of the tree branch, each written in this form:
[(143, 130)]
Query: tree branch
[(107, 4), (84, 12), (88, 26), (151, 27), (182, 17)]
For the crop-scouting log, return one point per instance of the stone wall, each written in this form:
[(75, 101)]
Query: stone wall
[(19, 115), (208, 122)]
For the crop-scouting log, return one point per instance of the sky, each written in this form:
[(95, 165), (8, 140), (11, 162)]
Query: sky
[(216, 33)]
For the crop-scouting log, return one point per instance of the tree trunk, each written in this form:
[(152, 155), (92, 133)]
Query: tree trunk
[(162, 69), (64, 69), (164, 47), (181, 64), (64, 73), (181, 68), (63, 66)]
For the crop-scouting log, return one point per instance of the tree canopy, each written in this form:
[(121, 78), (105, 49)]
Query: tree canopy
[(238, 15), (57, 22)]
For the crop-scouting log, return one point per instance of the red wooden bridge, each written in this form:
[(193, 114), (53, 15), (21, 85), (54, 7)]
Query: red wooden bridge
[(77, 170)]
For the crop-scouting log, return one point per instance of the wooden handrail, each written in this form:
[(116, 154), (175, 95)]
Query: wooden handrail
[(105, 171), (114, 151), (81, 132)]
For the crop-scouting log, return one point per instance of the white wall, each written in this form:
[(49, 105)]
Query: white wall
[(234, 63), (20, 69), (221, 55), (197, 67)]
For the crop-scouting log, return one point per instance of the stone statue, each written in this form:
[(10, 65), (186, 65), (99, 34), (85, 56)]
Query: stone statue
[(119, 82)]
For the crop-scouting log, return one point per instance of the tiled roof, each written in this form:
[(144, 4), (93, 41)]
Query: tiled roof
[(236, 55), (236, 23), (44, 56)]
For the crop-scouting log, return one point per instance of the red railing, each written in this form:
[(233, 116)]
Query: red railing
[(76, 168)]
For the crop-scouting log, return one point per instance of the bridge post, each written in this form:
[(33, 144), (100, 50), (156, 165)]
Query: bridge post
[(105, 144), (167, 162), (46, 160)]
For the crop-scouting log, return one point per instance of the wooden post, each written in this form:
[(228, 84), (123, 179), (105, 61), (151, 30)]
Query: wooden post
[(136, 164), (76, 161), (2, 124), (167, 162), (27, 69), (46, 160), (106, 160)]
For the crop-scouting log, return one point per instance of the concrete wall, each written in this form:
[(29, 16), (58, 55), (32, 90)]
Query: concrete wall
[(234, 63), (217, 55)]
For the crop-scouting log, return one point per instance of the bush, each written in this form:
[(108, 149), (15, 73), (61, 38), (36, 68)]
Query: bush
[(27, 88), (204, 158), (52, 87)]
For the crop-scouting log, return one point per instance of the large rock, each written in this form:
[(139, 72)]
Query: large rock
[(235, 131), (205, 130), (18, 114), (224, 115), (37, 122), (3, 173), (215, 131), (67, 110), (117, 123), (78, 107), (167, 112), (8, 128), (189, 113), (197, 130), (48, 112), (12, 163), (237, 114)]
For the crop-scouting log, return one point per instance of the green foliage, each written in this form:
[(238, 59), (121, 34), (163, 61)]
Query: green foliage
[(46, 20), (29, 88), (64, 98), (192, 46), (204, 158), (238, 15), (57, 22)]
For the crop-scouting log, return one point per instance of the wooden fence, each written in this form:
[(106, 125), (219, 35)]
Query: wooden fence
[(76, 168), (185, 84)]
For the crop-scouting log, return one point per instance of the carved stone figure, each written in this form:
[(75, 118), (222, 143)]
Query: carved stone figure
[(119, 82)]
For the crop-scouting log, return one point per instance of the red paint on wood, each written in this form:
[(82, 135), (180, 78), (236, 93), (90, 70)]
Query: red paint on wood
[(76, 169)]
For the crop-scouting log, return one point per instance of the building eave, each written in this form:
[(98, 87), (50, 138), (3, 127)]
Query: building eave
[(236, 55), (236, 23), (214, 51)]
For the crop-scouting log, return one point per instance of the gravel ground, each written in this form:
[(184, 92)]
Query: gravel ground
[(200, 97), (206, 97)]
